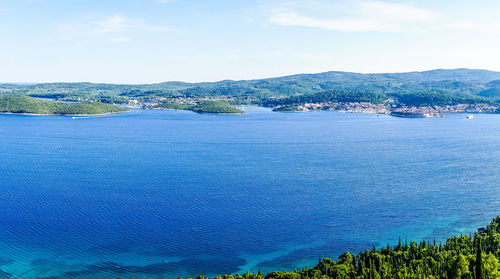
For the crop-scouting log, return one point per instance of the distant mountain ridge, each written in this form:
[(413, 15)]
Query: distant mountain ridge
[(479, 83), (458, 74)]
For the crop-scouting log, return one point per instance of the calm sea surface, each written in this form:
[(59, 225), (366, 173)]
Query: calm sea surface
[(164, 194)]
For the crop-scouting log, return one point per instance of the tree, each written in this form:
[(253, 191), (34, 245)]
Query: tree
[(491, 266), (460, 267), (479, 265)]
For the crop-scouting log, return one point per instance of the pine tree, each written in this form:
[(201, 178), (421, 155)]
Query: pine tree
[(479, 265)]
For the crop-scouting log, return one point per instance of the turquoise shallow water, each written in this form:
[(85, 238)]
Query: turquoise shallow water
[(171, 193)]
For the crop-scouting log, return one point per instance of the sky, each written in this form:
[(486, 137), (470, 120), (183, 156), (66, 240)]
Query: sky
[(150, 41)]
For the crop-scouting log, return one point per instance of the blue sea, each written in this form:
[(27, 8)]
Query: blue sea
[(167, 194)]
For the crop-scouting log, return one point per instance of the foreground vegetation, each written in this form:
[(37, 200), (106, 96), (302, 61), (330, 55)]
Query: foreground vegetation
[(203, 107), (473, 257), (30, 105)]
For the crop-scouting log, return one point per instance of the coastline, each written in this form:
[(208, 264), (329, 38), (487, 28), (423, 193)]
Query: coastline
[(57, 114), (354, 107), (200, 112)]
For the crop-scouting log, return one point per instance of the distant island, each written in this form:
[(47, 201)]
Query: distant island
[(465, 256), (221, 107), (21, 104), (421, 94)]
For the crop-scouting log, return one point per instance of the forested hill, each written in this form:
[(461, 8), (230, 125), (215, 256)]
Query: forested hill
[(472, 257), (476, 83), (28, 105)]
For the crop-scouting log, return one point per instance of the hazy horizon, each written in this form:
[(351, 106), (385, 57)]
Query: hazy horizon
[(220, 80)]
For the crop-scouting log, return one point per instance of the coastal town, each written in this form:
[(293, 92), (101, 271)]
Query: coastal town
[(395, 109), (390, 107)]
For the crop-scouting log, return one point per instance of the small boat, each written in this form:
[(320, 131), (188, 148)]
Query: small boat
[(470, 116)]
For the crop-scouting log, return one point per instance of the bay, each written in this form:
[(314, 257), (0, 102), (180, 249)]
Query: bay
[(173, 193)]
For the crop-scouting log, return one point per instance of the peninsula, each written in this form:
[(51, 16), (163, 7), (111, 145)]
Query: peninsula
[(21, 104)]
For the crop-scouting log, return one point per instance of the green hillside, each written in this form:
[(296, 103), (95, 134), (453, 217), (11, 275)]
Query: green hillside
[(453, 81), (30, 105), (435, 87)]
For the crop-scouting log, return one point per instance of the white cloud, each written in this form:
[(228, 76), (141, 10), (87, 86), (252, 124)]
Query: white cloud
[(293, 19), (112, 24), (396, 12), (120, 39), (475, 25), (354, 16), (113, 29)]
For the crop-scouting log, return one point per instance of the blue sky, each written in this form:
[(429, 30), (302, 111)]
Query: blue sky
[(146, 41)]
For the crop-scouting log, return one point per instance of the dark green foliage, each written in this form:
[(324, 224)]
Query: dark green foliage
[(111, 99), (49, 95), (288, 108), (25, 104), (202, 107), (460, 257), (215, 107), (479, 265), (170, 105), (490, 93), (428, 98)]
